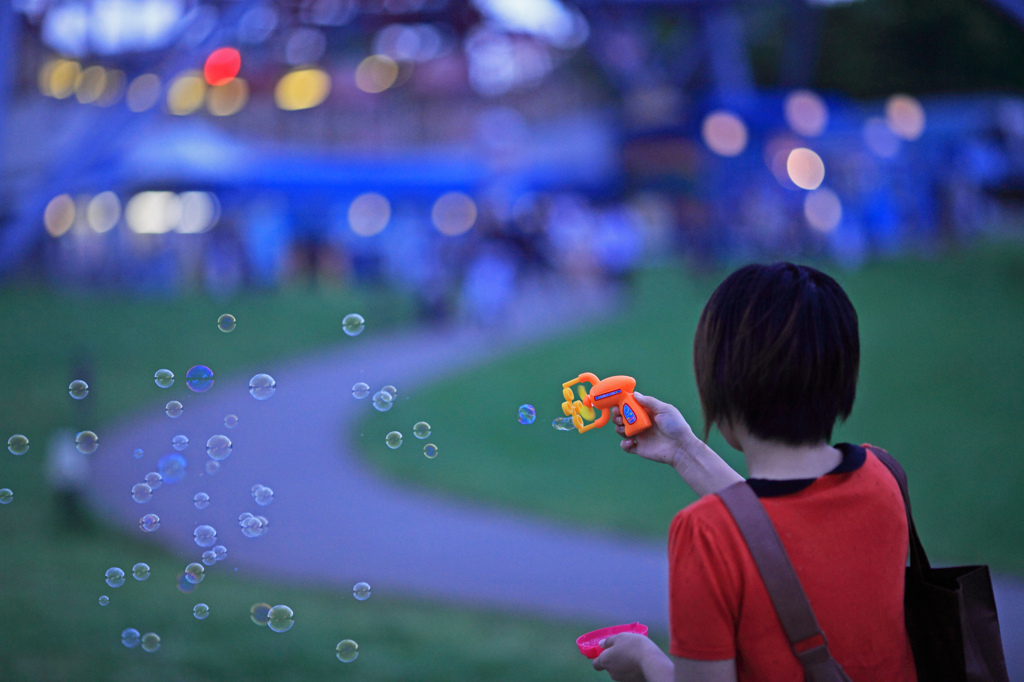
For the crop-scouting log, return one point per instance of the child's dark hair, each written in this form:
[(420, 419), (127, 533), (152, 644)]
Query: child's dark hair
[(777, 350)]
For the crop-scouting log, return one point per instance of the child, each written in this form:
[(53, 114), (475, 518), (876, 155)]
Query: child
[(776, 356)]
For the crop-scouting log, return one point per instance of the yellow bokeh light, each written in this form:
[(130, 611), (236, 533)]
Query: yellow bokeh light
[(805, 168), (806, 113), (376, 73), (43, 78), (453, 214), (228, 99), (59, 215), (64, 77), (91, 84), (143, 92), (823, 209), (103, 211), (153, 212), (905, 116), (302, 89), (724, 133), (186, 93), (369, 214)]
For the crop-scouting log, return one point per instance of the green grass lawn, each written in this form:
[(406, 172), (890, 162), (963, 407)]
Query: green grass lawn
[(942, 371), (54, 629)]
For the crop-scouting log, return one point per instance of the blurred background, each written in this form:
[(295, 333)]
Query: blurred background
[(588, 170)]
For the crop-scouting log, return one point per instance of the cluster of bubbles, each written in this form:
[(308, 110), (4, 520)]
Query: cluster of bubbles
[(173, 409), (384, 399), (527, 414), (218, 447), (201, 500), (353, 324), (252, 526), (85, 441), (361, 591), (262, 494), (262, 386), (199, 378), (347, 650), (149, 523), (212, 556), (226, 323), (78, 389), (205, 535), (278, 618), (131, 638)]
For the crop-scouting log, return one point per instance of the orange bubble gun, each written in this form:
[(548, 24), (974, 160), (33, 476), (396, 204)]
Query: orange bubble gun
[(604, 394)]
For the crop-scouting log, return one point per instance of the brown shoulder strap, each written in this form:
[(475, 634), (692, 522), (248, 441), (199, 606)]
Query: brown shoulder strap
[(788, 598)]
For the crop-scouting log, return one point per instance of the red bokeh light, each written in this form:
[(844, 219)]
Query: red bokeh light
[(222, 66)]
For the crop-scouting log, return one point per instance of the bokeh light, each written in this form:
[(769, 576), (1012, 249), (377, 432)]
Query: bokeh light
[(376, 73), (453, 213), (905, 117), (369, 214), (302, 89), (228, 99), (153, 212), (724, 133), (91, 84), (805, 168), (114, 88), (806, 113), (143, 92), (199, 212), (59, 215), (186, 93), (63, 78), (222, 66), (776, 154), (880, 139), (823, 209), (103, 211)]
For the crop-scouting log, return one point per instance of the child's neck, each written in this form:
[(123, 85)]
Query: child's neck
[(780, 461)]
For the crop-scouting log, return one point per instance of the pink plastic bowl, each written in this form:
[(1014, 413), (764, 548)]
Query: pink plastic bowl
[(590, 643)]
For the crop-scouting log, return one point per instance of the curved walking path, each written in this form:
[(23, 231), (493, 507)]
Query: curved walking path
[(333, 521)]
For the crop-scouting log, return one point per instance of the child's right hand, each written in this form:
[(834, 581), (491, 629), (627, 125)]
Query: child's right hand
[(667, 435)]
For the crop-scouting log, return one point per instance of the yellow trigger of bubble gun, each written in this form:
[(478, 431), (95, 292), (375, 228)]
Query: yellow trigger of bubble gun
[(604, 394)]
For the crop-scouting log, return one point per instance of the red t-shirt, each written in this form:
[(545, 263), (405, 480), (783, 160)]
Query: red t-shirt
[(846, 535)]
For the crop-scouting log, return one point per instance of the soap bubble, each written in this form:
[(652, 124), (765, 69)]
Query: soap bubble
[(353, 324), (138, 453), (85, 441), (104, 600), (180, 442), (263, 495), (172, 467), (421, 430), (154, 480), (6, 496), (393, 439), (243, 517), (18, 444), (140, 571), (280, 618), (231, 421), (347, 650), (226, 323), (391, 391), (194, 573), (220, 551), (254, 526), (199, 378), (150, 642), (200, 610), (382, 401), (164, 378), (262, 386), (212, 467), (527, 415), (260, 613), (361, 591), (78, 389), (218, 447), (430, 451), (142, 493), (201, 500), (360, 390), (130, 637), (173, 409), (205, 535), (209, 557), (185, 585), (114, 576), (563, 424), (149, 523)]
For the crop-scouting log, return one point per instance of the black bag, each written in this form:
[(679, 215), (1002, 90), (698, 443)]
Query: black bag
[(950, 612)]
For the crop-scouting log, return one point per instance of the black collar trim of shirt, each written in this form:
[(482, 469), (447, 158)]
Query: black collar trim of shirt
[(853, 459)]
